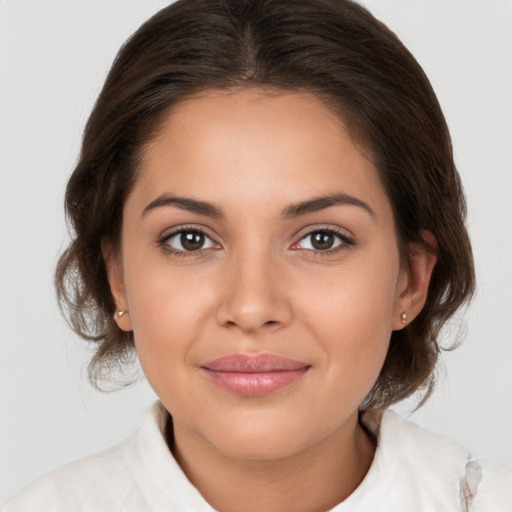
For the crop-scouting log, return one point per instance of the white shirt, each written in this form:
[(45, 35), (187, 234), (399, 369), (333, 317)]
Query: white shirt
[(414, 470)]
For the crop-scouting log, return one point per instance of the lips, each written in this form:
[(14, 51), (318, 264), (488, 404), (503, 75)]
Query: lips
[(258, 375)]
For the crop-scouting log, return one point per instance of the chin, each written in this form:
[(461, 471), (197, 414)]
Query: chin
[(261, 438)]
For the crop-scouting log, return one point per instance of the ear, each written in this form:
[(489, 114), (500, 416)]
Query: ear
[(115, 277), (414, 281)]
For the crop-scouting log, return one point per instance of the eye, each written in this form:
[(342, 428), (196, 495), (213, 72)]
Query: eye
[(323, 240), (188, 240)]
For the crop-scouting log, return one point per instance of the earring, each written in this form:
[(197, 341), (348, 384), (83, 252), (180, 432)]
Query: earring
[(403, 317), (121, 313)]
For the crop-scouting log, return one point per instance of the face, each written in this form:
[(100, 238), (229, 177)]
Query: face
[(260, 268)]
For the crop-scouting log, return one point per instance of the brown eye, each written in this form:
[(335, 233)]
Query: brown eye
[(323, 240), (189, 240), (192, 240)]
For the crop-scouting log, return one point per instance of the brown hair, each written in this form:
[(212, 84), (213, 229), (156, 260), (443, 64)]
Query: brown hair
[(333, 48)]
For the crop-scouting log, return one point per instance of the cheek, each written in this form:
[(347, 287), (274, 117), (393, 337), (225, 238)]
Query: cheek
[(359, 298), (167, 310), (350, 315)]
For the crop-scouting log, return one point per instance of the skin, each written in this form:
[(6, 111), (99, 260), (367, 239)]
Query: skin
[(258, 286)]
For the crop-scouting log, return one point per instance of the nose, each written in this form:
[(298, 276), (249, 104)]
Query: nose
[(254, 294)]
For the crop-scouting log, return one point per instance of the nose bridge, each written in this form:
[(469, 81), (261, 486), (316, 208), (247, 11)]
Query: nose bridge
[(254, 296)]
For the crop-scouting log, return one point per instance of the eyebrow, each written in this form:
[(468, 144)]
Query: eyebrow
[(185, 203), (322, 202), (290, 212)]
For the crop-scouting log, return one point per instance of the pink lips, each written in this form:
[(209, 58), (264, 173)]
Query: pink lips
[(258, 375)]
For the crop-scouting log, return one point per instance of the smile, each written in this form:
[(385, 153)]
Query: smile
[(259, 375)]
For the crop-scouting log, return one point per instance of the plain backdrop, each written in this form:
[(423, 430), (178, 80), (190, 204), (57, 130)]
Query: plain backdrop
[(54, 56)]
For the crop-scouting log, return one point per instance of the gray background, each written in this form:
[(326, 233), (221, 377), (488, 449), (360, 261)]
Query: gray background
[(53, 58)]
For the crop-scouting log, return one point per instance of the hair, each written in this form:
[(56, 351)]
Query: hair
[(334, 49)]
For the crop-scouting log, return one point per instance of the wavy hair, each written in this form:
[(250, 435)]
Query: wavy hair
[(334, 49)]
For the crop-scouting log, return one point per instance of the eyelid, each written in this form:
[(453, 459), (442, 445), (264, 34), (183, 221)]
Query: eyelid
[(345, 237), (172, 232)]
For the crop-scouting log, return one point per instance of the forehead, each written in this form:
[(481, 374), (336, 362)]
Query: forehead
[(255, 146)]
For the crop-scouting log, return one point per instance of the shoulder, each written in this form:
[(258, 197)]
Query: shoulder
[(99, 482), (444, 465), (416, 469), (138, 475), (490, 488)]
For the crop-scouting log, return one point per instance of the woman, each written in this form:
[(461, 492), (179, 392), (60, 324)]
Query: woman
[(266, 208)]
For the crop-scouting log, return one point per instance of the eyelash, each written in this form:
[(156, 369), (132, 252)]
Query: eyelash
[(163, 241), (345, 241)]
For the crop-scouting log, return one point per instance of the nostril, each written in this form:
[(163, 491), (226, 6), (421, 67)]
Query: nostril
[(249, 326)]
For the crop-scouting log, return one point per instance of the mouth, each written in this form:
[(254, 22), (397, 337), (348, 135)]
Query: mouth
[(254, 375)]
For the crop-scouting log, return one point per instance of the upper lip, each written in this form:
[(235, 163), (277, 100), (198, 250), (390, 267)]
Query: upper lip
[(246, 363)]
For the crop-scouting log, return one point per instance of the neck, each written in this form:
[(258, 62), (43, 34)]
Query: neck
[(314, 479)]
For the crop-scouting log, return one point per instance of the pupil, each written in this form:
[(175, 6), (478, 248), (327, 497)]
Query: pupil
[(192, 241), (323, 240)]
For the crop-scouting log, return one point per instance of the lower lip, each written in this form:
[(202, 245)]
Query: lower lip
[(255, 384)]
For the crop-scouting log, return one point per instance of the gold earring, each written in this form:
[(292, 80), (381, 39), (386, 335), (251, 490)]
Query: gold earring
[(403, 317), (121, 313)]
